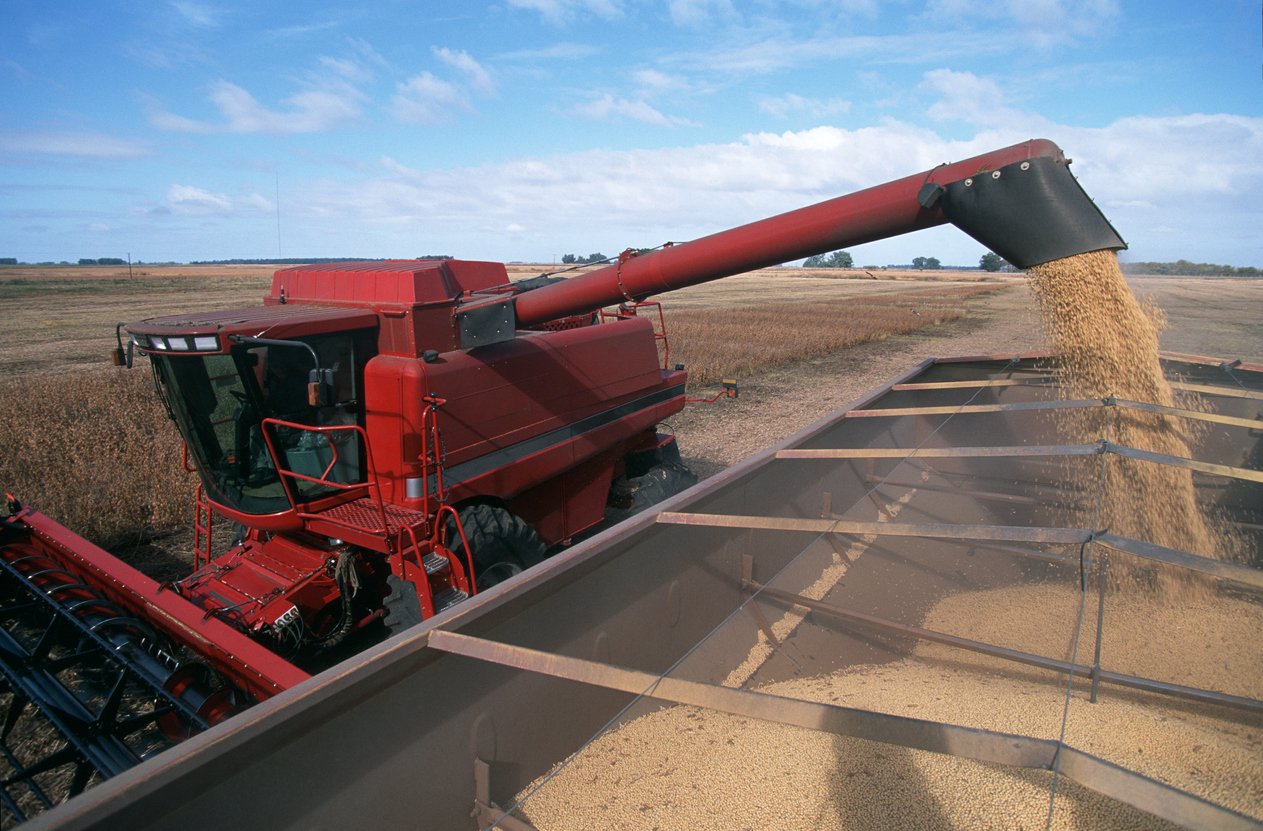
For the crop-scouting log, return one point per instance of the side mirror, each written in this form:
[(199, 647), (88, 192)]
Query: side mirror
[(320, 387), (118, 356)]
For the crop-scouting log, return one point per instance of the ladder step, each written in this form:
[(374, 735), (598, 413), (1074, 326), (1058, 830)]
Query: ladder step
[(434, 563), (448, 598)]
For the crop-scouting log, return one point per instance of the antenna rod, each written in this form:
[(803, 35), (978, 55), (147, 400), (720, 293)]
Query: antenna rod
[(278, 214)]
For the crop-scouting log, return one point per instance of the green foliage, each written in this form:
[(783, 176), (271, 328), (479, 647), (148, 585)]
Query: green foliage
[(926, 263), (574, 259), (1184, 268), (838, 259), (991, 262)]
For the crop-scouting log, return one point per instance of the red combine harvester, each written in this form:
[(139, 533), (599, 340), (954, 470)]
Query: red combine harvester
[(391, 437)]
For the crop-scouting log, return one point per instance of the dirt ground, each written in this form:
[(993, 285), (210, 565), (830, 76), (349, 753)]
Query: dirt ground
[(1214, 317)]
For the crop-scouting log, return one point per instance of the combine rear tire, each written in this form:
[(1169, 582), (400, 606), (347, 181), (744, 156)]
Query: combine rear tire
[(503, 545)]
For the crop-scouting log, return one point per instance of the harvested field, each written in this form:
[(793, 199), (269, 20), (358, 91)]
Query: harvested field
[(737, 341), (63, 322)]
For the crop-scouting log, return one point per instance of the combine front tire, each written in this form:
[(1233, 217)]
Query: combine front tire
[(503, 545)]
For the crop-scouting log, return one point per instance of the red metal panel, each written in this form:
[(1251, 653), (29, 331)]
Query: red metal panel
[(390, 282), (502, 394), (572, 502), (288, 321), (393, 389)]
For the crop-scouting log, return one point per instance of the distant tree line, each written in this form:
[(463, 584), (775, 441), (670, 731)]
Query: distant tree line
[(103, 261), (290, 260), (991, 262), (838, 259), (1184, 268), (575, 259)]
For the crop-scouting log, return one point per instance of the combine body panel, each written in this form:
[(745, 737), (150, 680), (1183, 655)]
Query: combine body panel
[(391, 438)]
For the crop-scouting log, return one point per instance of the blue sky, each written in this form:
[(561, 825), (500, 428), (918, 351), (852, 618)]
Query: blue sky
[(527, 129)]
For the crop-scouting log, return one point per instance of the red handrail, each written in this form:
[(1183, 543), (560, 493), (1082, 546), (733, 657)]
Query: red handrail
[(431, 449), (370, 483)]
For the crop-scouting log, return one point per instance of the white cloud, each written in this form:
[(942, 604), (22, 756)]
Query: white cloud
[(458, 59), (347, 68), (565, 51), (187, 200), (426, 99), (88, 145), (1174, 161), (699, 12), (608, 107), (793, 104), (164, 120), (314, 110), (1203, 171), (559, 12), (191, 201), (196, 14), (653, 80), (258, 202), (165, 54), (1040, 23), (304, 30), (963, 96)]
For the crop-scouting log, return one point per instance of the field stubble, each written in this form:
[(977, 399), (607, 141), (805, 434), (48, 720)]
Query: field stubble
[(91, 446)]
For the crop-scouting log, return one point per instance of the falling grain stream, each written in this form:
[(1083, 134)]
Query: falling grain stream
[(1107, 345)]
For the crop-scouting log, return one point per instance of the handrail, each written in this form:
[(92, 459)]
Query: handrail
[(440, 537), (431, 447), (370, 483), (373, 487)]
